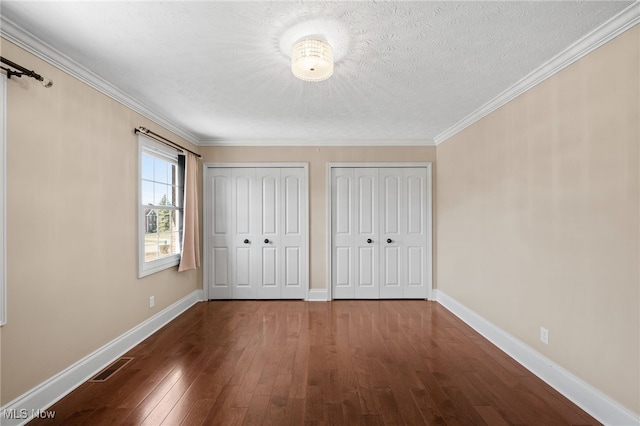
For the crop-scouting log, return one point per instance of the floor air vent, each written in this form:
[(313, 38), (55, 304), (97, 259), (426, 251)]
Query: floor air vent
[(111, 369)]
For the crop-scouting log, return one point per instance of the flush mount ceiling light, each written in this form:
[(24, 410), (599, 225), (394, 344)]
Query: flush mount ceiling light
[(312, 59)]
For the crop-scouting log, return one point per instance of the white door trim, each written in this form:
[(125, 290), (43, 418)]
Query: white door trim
[(206, 211), (3, 199), (329, 224)]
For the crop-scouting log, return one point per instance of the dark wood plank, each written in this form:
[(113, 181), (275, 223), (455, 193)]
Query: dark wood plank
[(197, 415)]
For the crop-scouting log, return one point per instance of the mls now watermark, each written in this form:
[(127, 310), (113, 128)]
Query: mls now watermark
[(23, 414)]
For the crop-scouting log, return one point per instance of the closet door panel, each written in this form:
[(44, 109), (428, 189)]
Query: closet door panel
[(366, 200), (415, 276), (392, 206), (243, 204), (366, 268), (243, 268), (343, 272), (269, 185), (365, 222), (221, 234), (293, 187), (293, 274), (343, 191), (416, 202), (245, 261), (391, 266), (342, 202), (266, 215), (220, 268), (415, 262), (293, 225), (269, 267)]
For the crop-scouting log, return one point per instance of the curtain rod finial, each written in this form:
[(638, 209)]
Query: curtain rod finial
[(47, 82)]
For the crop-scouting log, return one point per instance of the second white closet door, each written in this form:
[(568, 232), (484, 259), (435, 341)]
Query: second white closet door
[(379, 233)]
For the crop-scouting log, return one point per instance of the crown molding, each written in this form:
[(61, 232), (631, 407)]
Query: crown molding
[(615, 26), (317, 142), (32, 44)]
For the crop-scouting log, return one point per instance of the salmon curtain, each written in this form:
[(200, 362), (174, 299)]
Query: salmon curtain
[(190, 229)]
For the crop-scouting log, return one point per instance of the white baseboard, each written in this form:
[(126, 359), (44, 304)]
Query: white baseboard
[(318, 295), (23, 409), (585, 396)]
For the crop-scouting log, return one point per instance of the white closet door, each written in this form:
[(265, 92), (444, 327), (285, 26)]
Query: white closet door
[(392, 236), (355, 233), (342, 202), (366, 233), (293, 228), (415, 233), (267, 214), (245, 244), (220, 234), (379, 233), (257, 242)]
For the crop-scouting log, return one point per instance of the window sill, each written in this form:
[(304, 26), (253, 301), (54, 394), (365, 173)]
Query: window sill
[(148, 268)]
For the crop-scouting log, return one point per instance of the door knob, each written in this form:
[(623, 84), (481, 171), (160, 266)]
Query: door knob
[(389, 240), (246, 241), (369, 240), (266, 241)]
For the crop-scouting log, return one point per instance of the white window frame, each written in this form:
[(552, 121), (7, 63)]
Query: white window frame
[(3, 200), (147, 145)]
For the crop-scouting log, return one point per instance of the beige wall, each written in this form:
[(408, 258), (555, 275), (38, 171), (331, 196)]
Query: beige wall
[(317, 157), (538, 218), (537, 208), (71, 227)]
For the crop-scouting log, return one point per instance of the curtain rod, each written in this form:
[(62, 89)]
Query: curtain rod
[(46, 82), (163, 140)]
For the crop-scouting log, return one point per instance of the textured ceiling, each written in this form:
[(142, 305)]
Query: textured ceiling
[(220, 70)]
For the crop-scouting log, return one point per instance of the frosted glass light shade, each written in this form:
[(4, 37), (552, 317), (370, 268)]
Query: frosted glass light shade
[(312, 60)]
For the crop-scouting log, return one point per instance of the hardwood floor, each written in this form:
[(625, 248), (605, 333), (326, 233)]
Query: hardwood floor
[(334, 363)]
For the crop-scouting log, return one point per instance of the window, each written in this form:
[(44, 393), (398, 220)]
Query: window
[(160, 194)]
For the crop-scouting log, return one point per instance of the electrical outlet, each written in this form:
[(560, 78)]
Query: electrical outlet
[(544, 335), (152, 301)]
